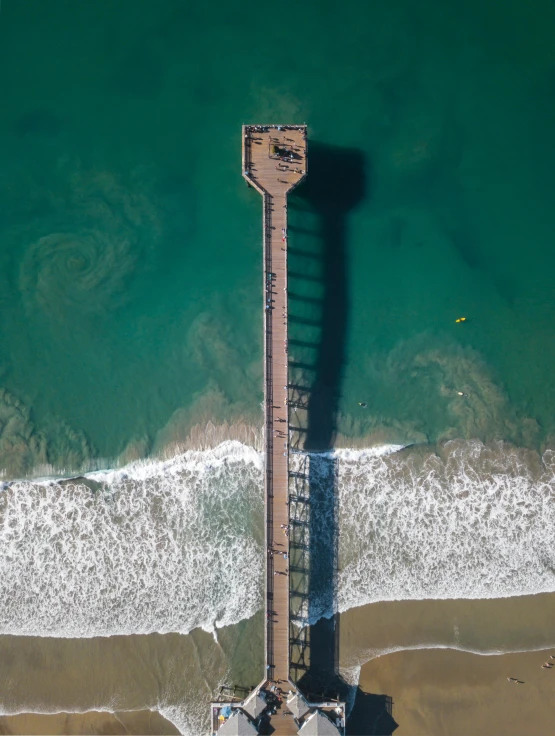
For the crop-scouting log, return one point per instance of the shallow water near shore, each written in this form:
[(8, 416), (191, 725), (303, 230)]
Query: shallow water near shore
[(131, 330)]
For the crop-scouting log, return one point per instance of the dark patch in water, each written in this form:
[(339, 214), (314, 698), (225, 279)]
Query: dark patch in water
[(507, 289), (468, 249), (397, 227), (93, 485), (38, 123)]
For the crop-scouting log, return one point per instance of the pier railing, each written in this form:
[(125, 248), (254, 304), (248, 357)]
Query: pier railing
[(247, 165)]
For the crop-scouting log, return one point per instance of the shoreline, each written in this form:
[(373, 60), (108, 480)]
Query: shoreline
[(208, 433), (446, 691), (148, 722), (489, 626), (445, 663), (405, 650), (374, 637)]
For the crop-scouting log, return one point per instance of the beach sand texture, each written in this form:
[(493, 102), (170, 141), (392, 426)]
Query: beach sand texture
[(442, 691), (449, 675), (434, 690), (93, 722)]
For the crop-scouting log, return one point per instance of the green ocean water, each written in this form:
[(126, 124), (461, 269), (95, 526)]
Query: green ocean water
[(130, 248)]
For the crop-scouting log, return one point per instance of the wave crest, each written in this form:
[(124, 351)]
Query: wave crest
[(175, 544), (471, 521), (163, 546)]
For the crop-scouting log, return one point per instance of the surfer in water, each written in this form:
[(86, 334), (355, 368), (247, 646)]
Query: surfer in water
[(363, 404)]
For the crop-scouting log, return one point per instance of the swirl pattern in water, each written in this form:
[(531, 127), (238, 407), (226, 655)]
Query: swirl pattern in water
[(98, 231), (169, 546), (78, 270)]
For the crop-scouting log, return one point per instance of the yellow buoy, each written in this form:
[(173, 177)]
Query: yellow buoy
[(461, 319)]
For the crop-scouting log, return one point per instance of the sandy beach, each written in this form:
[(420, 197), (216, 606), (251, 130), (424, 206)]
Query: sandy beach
[(159, 682), (445, 664), (430, 657), (444, 691), (499, 625)]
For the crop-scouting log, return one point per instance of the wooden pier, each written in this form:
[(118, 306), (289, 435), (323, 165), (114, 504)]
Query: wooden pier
[(274, 161)]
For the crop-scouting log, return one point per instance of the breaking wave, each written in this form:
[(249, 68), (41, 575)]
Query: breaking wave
[(470, 521), (155, 546), (167, 546)]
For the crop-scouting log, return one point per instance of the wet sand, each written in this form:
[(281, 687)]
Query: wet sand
[(93, 722), (482, 626), (171, 674), (390, 645), (444, 691), (454, 690)]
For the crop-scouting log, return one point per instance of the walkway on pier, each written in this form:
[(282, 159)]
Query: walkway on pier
[(274, 161)]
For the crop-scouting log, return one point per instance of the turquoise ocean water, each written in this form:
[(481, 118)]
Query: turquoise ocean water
[(131, 310), (130, 247)]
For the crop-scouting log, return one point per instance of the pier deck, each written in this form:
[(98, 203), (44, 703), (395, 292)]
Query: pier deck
[(274, 178), (274, 162), (264, 152)]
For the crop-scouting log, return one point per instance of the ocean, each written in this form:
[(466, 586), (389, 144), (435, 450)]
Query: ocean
[(131, 310)]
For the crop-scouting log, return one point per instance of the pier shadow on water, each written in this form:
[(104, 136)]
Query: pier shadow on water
[(318, 297)]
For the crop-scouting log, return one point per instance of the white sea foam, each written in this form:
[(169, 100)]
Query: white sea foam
[(169, 545), (155, 546), (471, 522)]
